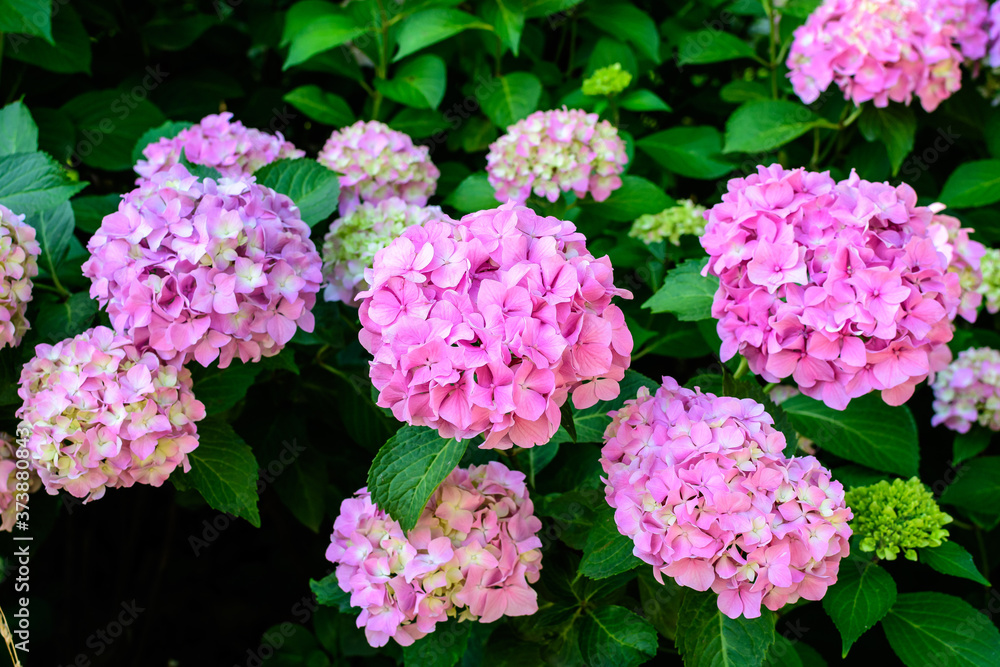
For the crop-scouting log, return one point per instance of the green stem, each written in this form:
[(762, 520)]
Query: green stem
[(743, 368)]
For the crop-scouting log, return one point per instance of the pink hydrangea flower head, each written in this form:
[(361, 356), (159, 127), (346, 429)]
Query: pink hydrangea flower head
[(551, 152), (472, 555), (227, 146), (845, 287), (700, 484), (887, 51), (350, 246), (967, 391), (205, 270), (375, 162), (18, 265), (487, 325), (103, 414), (12, 489)]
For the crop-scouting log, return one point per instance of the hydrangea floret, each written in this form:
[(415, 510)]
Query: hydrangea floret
[(350, 246), (967, 391), (472, 556), (12, 489), (845, 287), (606, 81), (700, 485), (18, 265), (103, 414), (375, 162), (220, 143), (897, 516), (551, 152), (202, 269), (487, 325), (670, 224)]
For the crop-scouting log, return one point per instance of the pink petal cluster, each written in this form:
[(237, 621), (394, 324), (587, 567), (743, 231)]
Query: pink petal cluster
[(14, 491), (551, 152), (964, 258), (845, 287), (350, 246), (103, 414), (700, 485), (18, 265), (967, 391), (228, 147), (195, 268), (485, 326), (375, 162), (472, 555), (889, 50)]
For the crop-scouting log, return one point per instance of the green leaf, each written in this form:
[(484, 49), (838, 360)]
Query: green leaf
[(975, 489), (628, 23), (321, 106), (89, 210), (417, 83), (222, 388), (18, 132), (318, 28), (53, 228), (33, 182), (473, 194), (707, 637), (764, 125), (868, 432), (642, 100), (329, 593), (591, 422), (312, 187), (635, 197), (712, 46), (507, 99), (431, 26), (607, 552), (508, 21), (862, 596), (224, 470), (685, 292), (30, 17), (442, 648), (408, 469), (110, 122), (168, 130), (695, 152), (613, 635), (968, 445), (70, 53), (895, 126), (925, 625), (58, 321), (973, 184), (951, 558)]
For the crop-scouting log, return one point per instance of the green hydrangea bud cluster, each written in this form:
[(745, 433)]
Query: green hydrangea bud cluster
[(608, 80), (901, 516), (990, 287), (671, 223)]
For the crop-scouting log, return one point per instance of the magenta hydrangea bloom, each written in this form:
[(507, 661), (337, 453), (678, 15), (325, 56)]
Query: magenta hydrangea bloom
[(472, 555), (12, 489), (195, 268), (889, 50), (18, 265), (551, 152), (700, 484), (967, 391), (228, 147), (375, 162), (103, 414), (844, 287), (485, 326), (350, 246)]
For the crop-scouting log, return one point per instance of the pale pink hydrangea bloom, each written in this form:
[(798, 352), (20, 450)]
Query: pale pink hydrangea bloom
[(700, 484), (472, 555), (967, 391), (103, 414), (18, 265), (844, 287), (485, 326), (375, 162), (228, 147), (10, 492), (350, 246), (195, 268), (551, 152), (888, 50)]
